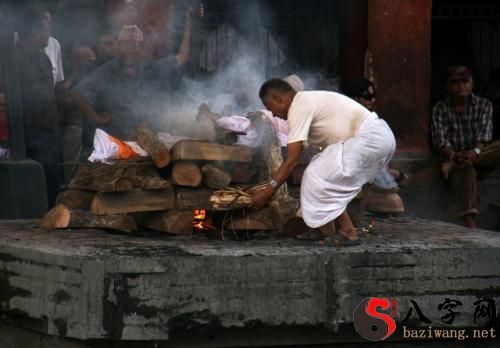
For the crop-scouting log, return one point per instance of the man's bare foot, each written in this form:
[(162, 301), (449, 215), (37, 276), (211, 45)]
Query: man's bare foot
[(349, 234), (328, 229), (346, 227)]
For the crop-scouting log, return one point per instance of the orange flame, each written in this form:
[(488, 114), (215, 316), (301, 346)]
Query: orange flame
[(200, 221)]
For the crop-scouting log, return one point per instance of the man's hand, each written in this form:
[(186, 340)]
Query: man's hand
[(467, 157), (103, 118), (261, 197)]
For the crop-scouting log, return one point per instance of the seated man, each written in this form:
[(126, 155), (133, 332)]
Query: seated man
[(462, 127), (357, 144)]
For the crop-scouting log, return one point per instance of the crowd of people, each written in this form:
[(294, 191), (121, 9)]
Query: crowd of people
[(112, 85)]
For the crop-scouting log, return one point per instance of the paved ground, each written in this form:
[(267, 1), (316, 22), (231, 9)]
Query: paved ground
[(89, 284)]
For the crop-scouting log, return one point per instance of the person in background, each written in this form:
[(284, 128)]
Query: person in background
[(106, 48), (53, 51), (129, 90), (462, 130), (83, 60), (363, 91), (356, 145), (295, 81), (41, 119)]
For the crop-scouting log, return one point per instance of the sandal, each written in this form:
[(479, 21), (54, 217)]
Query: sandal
[(338, 239), (311, 234)]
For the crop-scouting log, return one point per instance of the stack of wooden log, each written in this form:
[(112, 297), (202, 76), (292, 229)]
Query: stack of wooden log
[(162, 192)]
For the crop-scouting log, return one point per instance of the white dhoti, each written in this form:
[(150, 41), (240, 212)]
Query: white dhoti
[(336, 175)]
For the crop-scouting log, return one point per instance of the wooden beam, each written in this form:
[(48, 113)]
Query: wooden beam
[(136, 200), (186, 173), (204, 151), (63, 217)]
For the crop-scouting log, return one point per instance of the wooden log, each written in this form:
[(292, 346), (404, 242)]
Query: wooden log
[(102, 178), (214, 177), (136, 200), (172, 221), (252, 220), (151, 182), (270, 151), (242, 173), (154, 146), (230, 199), (121, 176), (203, 151), (190, 199), (76, 199), (186, 173), (63, 217)]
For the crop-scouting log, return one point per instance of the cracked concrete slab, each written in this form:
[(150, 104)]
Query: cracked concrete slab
[(89, 284)]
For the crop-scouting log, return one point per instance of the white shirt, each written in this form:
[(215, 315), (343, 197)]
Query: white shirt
[(324, 118), (53, 51)]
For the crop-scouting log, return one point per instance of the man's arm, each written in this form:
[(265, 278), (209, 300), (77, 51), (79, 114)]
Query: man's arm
[(439, 129), (183, 55), (484, 134), (88, 110), (262, 196)]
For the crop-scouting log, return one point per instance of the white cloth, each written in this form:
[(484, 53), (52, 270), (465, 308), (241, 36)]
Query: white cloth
[(280, 125), (335, 176), (323, 118), (170, 140), (237, 123), (53, 51), (107, 151)]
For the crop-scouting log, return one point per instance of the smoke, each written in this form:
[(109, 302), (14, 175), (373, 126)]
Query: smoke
[(385, 180), (233, 50)]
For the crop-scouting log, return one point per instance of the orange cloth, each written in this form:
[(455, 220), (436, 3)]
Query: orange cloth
[(124, 150)]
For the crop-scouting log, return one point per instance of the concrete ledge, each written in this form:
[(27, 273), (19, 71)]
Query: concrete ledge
[(88, 284)]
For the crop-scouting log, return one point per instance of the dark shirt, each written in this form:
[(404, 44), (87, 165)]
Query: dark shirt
[(41, 120), (462, 130), (130, 102), (37, 92)]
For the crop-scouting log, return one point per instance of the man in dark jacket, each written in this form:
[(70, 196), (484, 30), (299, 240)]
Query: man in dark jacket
[(41, 121)]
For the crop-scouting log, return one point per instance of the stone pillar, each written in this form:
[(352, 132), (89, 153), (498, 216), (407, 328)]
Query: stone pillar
[(399, 37), (353, 38)]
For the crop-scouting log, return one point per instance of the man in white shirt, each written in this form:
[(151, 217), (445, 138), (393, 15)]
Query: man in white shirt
[(356, 145), (53, 51)]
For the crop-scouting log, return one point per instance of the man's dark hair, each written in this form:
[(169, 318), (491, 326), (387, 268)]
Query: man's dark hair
[(356, 88), (31, 18), (276, 85)]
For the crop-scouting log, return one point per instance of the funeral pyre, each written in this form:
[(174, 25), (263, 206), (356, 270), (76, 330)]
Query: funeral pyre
[(178, 185)]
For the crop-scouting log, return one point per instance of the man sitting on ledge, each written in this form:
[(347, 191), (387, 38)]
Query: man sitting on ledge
[(357, 144), (462, 127)]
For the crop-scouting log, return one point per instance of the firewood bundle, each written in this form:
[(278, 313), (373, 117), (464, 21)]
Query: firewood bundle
[(162, 192)]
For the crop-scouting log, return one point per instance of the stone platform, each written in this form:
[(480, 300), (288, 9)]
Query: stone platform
[(93, 285)]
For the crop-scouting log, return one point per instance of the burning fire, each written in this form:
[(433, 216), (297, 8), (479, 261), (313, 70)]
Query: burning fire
[(200, 220)]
